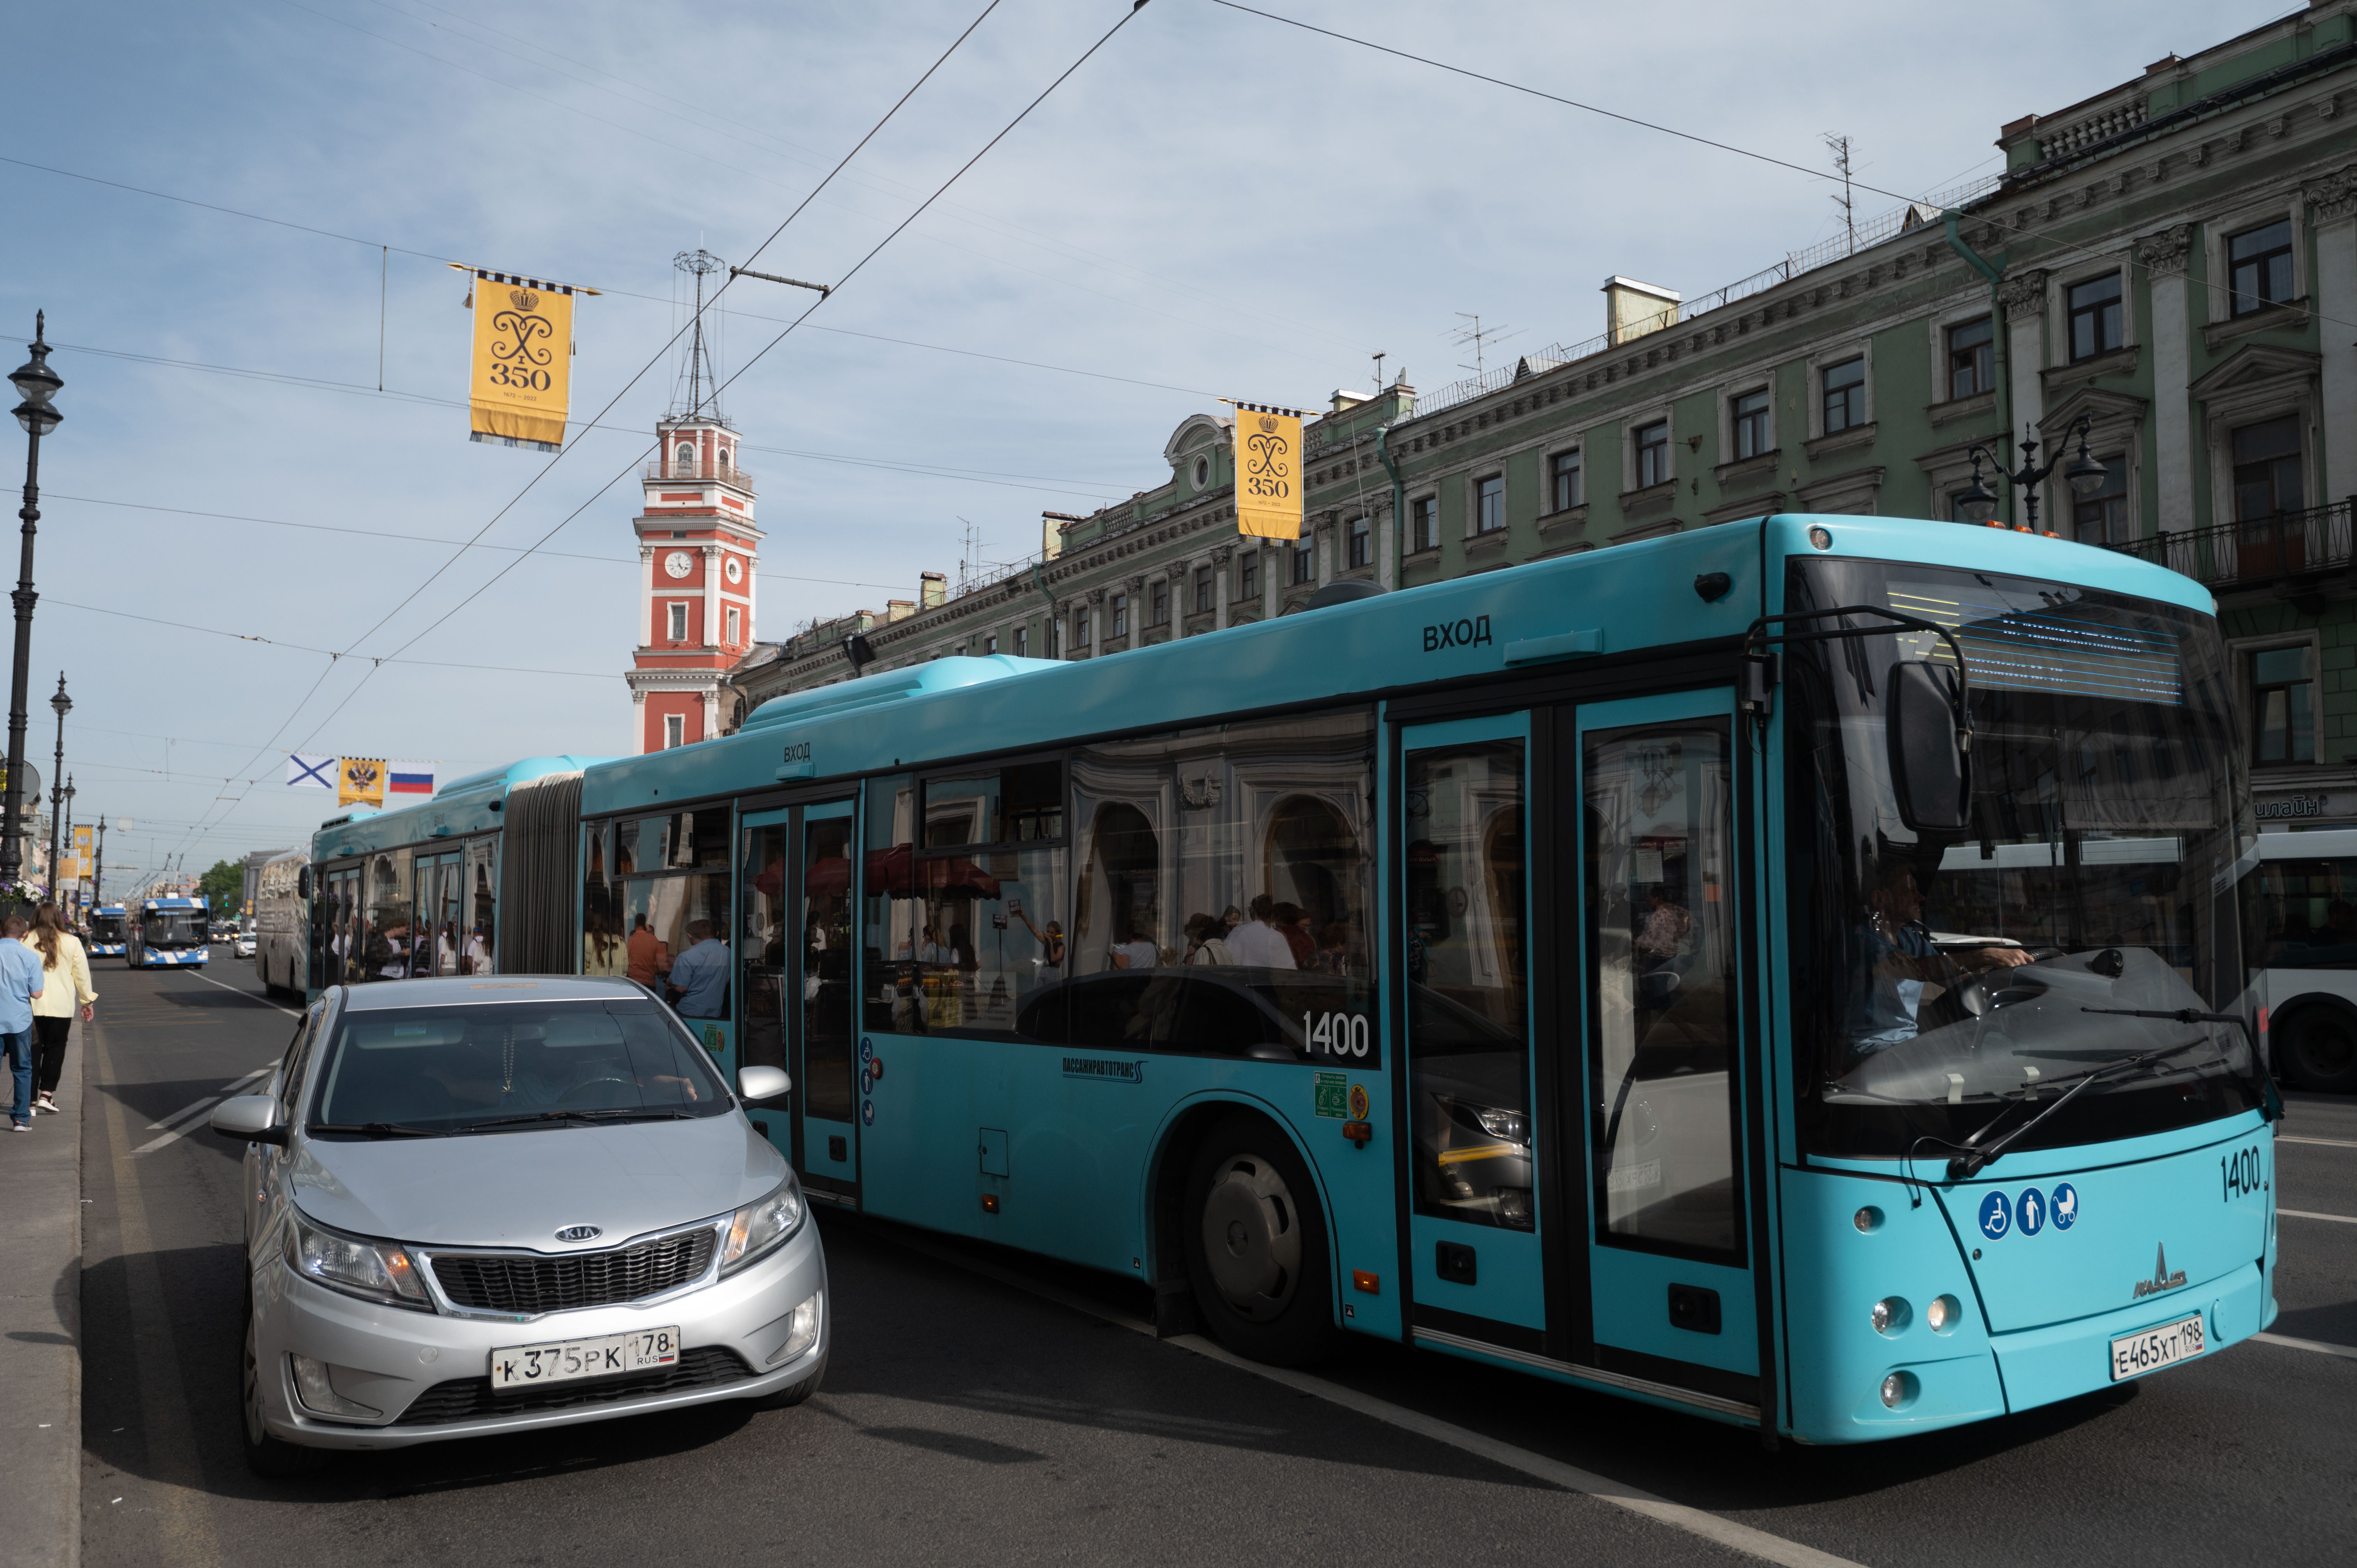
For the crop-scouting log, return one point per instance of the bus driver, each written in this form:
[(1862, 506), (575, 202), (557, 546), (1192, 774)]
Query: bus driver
[(1898, 960)]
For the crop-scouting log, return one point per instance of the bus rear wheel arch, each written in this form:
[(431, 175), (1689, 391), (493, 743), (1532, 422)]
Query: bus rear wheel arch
[(2315, 1046), (1254, 1236)]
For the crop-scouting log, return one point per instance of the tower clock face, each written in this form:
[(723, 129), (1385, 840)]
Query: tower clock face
[(679, 563), (736, 569)]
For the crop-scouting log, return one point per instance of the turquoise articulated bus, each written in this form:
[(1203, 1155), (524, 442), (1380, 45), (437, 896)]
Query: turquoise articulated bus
[(169, 933), (109, 930), (1778, 972)]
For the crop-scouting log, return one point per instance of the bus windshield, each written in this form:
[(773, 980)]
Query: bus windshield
[(1955, 972), (173, 927), (106, 927)]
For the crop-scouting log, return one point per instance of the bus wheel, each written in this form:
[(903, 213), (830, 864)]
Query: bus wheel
[(2317, 1049), (1256, 1244)]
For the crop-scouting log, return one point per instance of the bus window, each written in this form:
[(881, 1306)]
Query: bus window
[(1468, 983), (601, 913), (481, 917), (761, 947), (2303, 915), (384, 938)]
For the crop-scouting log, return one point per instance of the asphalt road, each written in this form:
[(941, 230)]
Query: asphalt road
[(986, 1406)]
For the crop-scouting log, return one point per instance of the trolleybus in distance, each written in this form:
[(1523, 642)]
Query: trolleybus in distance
[(277, 925), (1776, 972), (2299, 926), (168, 933), (110, 927)]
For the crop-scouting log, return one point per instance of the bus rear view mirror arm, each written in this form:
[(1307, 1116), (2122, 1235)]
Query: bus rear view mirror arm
[(1931, 771)]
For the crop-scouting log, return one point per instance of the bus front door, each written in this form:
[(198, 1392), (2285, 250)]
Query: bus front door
[(1654, 1069), (795, 984)]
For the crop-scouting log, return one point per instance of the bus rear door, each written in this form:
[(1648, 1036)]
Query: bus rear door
[(796, 1006)]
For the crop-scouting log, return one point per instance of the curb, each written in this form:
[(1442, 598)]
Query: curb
[(40, 1331)]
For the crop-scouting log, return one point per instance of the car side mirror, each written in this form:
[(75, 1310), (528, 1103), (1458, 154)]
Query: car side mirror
[(1929, 773), (762, 1082), (249, 1118)]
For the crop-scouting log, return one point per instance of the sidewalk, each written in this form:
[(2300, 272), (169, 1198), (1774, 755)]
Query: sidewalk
[(40, 1331)]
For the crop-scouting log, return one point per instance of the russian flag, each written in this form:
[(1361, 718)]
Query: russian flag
[(409, 778)]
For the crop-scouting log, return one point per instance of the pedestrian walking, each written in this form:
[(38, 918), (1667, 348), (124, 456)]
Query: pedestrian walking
[(65, 987), (20, 985)]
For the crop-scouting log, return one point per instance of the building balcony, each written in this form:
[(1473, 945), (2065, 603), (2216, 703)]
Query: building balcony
[(701, 473), (2285, 549)]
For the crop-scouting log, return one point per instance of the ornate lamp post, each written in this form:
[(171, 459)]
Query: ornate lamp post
[(61, 705), (2085, 476), (36, 384), (75, 891)]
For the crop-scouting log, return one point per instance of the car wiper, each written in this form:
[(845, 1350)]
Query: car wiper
[(377, 1129), (644, 1113), (1963, 1167)]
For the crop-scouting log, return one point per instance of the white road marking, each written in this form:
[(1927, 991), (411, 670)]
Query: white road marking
[(1711, 1527), (250, 996), (179, 1116), (2304, 1214), (2318, 1345), (2325, 1143), (226, 1089)]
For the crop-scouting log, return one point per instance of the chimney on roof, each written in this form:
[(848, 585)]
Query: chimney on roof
[(1631, 309), (898, 609), (932, 589), (1051, 531), (1346, 400)]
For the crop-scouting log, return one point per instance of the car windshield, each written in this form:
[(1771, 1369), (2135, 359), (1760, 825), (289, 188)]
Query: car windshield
[(454, 1068), (1953, 970), (173, 927)]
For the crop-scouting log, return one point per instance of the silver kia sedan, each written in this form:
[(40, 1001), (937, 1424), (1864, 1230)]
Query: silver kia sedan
[(480, 1204)]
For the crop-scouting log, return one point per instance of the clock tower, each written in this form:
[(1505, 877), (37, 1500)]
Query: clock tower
[(697, 547)]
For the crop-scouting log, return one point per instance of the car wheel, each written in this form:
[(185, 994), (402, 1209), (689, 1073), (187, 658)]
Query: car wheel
[(791, 1394), (2317, 1049), (265, 1455), (1255, 1243)]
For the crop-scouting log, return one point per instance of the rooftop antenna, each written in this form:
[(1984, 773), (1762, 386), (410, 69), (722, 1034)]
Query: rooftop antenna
[(1480, 337), (1380, 358), (970, 562), (1838, 144), (699, 372)]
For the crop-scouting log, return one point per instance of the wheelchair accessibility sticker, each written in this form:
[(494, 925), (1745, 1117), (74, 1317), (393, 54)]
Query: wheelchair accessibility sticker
[(1996, 1216)]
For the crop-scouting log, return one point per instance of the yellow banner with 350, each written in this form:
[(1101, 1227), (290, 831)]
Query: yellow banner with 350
[(1268, 471), (521, 374)]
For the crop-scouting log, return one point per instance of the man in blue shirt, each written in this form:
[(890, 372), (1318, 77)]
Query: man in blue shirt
[(700, 975), (20, 981)]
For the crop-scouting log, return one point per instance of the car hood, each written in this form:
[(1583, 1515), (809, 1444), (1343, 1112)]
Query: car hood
[(518, 1188)]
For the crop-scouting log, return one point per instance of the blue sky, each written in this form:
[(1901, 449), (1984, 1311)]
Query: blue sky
[(1214, 204)]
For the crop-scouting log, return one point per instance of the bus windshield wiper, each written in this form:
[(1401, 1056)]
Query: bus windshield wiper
[(636, 1114), (377, 1129), (1965, 1166)]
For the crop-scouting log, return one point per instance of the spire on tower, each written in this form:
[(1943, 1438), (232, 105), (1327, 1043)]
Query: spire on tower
[(696, 393)]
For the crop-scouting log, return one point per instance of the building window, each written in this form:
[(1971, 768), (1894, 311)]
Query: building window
[(1081, 628), (1248, 575), (1490, 504), (2096, 324), (2258, 264), (1750, 413), (1206, 591), (735, 620), (2283, 707), (2266, 469), (1652, 453), (1022, 642), (1203, 473), (2103, 518), (1844, 388), (674, 730), (1360, 549), (1971, 358), (1158, 603), (679, 623), (1424, 523), (990, 644), (724, 456), (1120, 615), (686, 461), (1562, 474), (1304, 563)]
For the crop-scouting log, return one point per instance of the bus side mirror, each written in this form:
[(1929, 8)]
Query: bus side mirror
[(303, 883), (1929, 770)]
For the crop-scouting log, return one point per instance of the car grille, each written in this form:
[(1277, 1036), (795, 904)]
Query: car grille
[(471, 1399), (526, 1282)]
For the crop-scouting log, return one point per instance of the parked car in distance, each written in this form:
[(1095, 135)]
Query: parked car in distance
[(477, 1207)]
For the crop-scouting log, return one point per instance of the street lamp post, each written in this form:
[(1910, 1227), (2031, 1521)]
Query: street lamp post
[(76, 891), (37, 385), (2085, 477), (61, 705)]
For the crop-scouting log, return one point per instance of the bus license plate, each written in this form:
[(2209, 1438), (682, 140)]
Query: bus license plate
[(2137, 1354), (562, 1360)]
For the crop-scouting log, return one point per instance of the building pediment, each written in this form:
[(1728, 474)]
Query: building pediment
[(2253, 365), (1196, 432), (2100, 404)]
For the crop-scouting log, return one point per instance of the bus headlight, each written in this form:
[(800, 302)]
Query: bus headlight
[(1891, 1315), (1943, 1314), (1899, 1391)]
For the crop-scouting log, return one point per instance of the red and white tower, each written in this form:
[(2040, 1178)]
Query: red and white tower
[(697, 550)]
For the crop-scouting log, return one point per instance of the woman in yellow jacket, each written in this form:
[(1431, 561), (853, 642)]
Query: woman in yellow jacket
[(66, 971)]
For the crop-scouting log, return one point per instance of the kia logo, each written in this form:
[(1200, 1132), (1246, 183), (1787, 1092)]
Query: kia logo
[(579, 1233)]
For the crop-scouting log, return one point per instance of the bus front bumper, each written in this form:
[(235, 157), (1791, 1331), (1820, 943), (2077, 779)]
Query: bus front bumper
[(2061, 1360)]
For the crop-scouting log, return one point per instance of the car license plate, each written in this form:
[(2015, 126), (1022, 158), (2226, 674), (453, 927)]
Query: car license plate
[(2137, 1354), (562, 1360)]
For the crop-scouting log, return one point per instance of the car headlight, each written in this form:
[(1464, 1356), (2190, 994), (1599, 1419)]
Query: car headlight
[(758, 1229), (374, 1271), (1497, 1121)]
